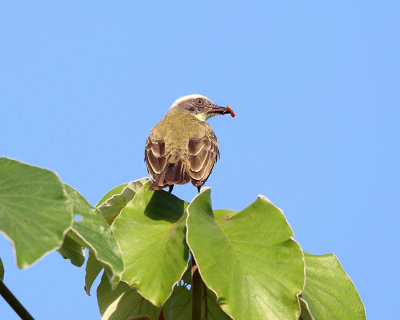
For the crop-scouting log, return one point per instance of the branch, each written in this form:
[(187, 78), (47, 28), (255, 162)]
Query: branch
[(197, 284), (14, 303)]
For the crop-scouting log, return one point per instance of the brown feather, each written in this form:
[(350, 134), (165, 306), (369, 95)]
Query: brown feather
[(155, 157), (203, 154), (157, 164), (197, 161), (189, 156)]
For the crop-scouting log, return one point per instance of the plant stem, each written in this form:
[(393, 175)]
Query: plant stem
[(14, 303), (197, 284), (161, 315)]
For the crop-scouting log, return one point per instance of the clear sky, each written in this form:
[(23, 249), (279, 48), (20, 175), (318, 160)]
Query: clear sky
[(315, 87)]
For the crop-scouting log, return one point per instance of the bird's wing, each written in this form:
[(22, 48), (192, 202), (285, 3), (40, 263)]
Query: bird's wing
[(155, 156), (203, 154)]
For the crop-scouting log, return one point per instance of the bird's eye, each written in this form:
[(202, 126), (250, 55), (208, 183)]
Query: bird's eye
[(199, 101)]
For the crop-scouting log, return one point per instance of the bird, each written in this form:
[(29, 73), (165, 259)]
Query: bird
[(182, 147)]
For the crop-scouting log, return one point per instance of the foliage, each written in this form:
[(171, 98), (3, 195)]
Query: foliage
[(252, 251), (34, 209), (146, 242), (329, 292)]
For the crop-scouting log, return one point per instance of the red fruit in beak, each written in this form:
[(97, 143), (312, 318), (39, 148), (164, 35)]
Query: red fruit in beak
[(230, 111)]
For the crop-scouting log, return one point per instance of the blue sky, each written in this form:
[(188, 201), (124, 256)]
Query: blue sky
[(315, 87)]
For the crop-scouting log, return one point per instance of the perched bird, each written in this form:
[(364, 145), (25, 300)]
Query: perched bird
[(182, 147)]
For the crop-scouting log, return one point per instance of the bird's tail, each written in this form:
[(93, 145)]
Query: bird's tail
[(173, 173)]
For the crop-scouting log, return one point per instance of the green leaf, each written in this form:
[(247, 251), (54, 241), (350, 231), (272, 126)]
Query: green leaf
[(249, 259), (118, 198), (221, 215), (179, 304), (96, 234), (110, 206), (109, 194), (329, 292), (35, 211), (122, 303), (1, 270), (72, 250), (305, 310), (93, 268), (151, 233)]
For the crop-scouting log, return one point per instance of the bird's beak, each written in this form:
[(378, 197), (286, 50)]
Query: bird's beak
[(214, 110)]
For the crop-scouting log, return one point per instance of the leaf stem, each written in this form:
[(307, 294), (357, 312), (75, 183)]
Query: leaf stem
[(14, 303), (205, 299), (197, 284)]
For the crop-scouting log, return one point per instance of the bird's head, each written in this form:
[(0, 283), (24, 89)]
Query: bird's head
[(199, 106)]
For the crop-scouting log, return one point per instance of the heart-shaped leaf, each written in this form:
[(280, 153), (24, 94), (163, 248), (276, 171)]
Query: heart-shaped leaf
[(96, 234), (35, 211), (110, 206), (329, 293), (122, 303), (151, 233), (248, 258)]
